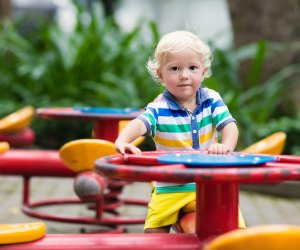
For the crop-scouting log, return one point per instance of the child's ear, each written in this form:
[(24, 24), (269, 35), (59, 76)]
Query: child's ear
[(204, 71), (159, 74)]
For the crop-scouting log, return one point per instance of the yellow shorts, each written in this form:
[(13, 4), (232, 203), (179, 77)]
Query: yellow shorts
[(165, 209)]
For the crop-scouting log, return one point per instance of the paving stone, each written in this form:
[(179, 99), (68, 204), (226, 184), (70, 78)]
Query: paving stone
[(257, 208)]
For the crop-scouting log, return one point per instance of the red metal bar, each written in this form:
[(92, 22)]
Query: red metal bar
[(21, 138), (26, 190), (217, 209), (265, 173), (99, 209), (110, 242), (33, 163), (137, 159), (107, 129), (288, 158), (105, 221)]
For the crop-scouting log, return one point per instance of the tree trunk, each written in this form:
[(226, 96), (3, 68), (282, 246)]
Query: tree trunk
[(270, 20), (4, 9), (273, 20)]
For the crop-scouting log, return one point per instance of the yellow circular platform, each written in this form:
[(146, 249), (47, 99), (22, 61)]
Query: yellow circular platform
[(23, 232)]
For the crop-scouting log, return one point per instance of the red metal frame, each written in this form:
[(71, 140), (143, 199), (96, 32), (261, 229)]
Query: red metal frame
[(110, 242), (46, 163), (217, 199), (106, 204), (22, 138), (217, 188), (106, 124)]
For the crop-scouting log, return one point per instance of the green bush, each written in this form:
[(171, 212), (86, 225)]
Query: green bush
[(253, 102), (98, 64)]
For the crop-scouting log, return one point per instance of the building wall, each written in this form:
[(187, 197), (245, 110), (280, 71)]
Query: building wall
[(209, 18)]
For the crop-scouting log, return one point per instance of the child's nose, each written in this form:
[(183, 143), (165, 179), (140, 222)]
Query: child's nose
[(184, 73)]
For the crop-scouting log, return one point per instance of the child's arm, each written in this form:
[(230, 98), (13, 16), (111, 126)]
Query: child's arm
[(132, 131), (229, 135)]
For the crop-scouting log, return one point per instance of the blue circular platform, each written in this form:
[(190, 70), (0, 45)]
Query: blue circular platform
[(203, 160)]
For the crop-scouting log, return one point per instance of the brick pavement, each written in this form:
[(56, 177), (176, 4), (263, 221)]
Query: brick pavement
[(48, 188), (257, 208)]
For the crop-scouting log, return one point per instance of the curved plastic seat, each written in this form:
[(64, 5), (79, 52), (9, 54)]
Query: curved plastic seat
[(18, 120), (273, 144), (4, 146), (24, 232), (15, 130), (80, 155), (266, 237)]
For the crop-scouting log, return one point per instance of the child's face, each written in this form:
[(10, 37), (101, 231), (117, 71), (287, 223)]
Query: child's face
[(182, 74)]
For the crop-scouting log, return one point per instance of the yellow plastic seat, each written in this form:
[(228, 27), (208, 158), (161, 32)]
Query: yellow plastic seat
[(273, 144), (136, 142), (80, 155), (4, 146), (266, 237), (18, 120), (24, 232)]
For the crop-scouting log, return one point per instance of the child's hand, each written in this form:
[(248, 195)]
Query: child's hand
[(124, 147), (219, 148)]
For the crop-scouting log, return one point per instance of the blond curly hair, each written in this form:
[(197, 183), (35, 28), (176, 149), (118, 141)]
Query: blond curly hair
[(175, 42)]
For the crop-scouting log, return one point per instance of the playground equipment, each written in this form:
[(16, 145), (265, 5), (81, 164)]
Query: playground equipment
[(216, 192), (102, 197), (14, 128), (23, 232), (80, 156), (106, 120), (273, 144), (147, 167), (267, 237), (77, 161)]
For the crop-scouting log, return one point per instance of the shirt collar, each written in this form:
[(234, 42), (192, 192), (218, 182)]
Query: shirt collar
[(202, 96)]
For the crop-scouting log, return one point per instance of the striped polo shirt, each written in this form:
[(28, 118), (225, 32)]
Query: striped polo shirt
[(174, 128)]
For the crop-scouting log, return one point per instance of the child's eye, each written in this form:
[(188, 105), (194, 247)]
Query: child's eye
[(193, 68), (174, 68)]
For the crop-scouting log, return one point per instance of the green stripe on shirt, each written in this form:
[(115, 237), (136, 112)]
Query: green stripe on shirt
[(174, 128), (205, 121), (153, 122), (190, 187), (220, 117)]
